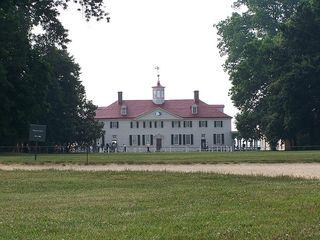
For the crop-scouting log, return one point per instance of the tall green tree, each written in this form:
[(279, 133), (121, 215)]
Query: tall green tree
[(261, 61), (28, 73), (300, 84), (69, 114)]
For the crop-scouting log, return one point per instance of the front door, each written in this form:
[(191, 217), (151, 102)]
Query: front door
[(203, 144), (158, 144)]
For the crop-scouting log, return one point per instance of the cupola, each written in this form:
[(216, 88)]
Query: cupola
[(158, 93)]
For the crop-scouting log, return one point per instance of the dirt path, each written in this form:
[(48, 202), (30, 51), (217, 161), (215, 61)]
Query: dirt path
[(305, 170)]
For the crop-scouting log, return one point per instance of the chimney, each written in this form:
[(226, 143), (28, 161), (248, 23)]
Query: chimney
[(196, 96), (120, 98)]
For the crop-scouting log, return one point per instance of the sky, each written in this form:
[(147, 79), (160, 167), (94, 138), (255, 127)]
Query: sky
[(176, 35)]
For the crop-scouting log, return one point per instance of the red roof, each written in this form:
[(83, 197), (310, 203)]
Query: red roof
[(180, 108)]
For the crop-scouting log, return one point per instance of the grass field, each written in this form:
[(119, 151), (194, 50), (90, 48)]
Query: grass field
[(168, 158), (133, 205)]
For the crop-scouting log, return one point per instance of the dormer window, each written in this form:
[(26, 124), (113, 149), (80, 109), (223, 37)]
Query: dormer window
[(194, 109), (124, 111)]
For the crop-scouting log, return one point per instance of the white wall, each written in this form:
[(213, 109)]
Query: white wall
[(122, 133)]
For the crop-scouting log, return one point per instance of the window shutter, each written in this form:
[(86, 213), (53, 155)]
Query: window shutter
[(143, 140), (137, 123), (206, 123), (191, 139), (184, 139), (179, 124), (150, 124), (222, 139), (221, 123), (144, 124), (155, 124), (130, 140), (214, 138), (190, 123), (110, 124), (151, 139), (184, 124), (131, 124), (172, 124), (180, 139), (161, 124), (171, 139), (215, 123), (138, 140), (199, 123)]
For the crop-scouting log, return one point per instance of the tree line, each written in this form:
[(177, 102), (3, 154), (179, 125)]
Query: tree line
[(39, 79), (272, 51)]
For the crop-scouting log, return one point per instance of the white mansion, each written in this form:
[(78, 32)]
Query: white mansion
[(165, 125)]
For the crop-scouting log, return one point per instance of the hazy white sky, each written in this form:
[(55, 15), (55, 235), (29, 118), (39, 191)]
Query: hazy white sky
[(177, 35)]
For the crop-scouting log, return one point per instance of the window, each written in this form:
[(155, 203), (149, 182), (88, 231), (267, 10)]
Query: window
[(194, 109), (134, 124), (147, 140), (188, 139), (114, 124), (158, 124), (147, 124), (218, 139), (179, 139), (187, 124), (175, 124), (176, 139), (218, 124), (150, 124), (123, 110), (203, 123), (134, 140)]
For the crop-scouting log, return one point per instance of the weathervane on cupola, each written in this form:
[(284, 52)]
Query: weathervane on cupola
[(158, 91), (158, 74)]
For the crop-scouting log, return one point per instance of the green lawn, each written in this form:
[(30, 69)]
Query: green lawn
[(136, 205), (163, 158)]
